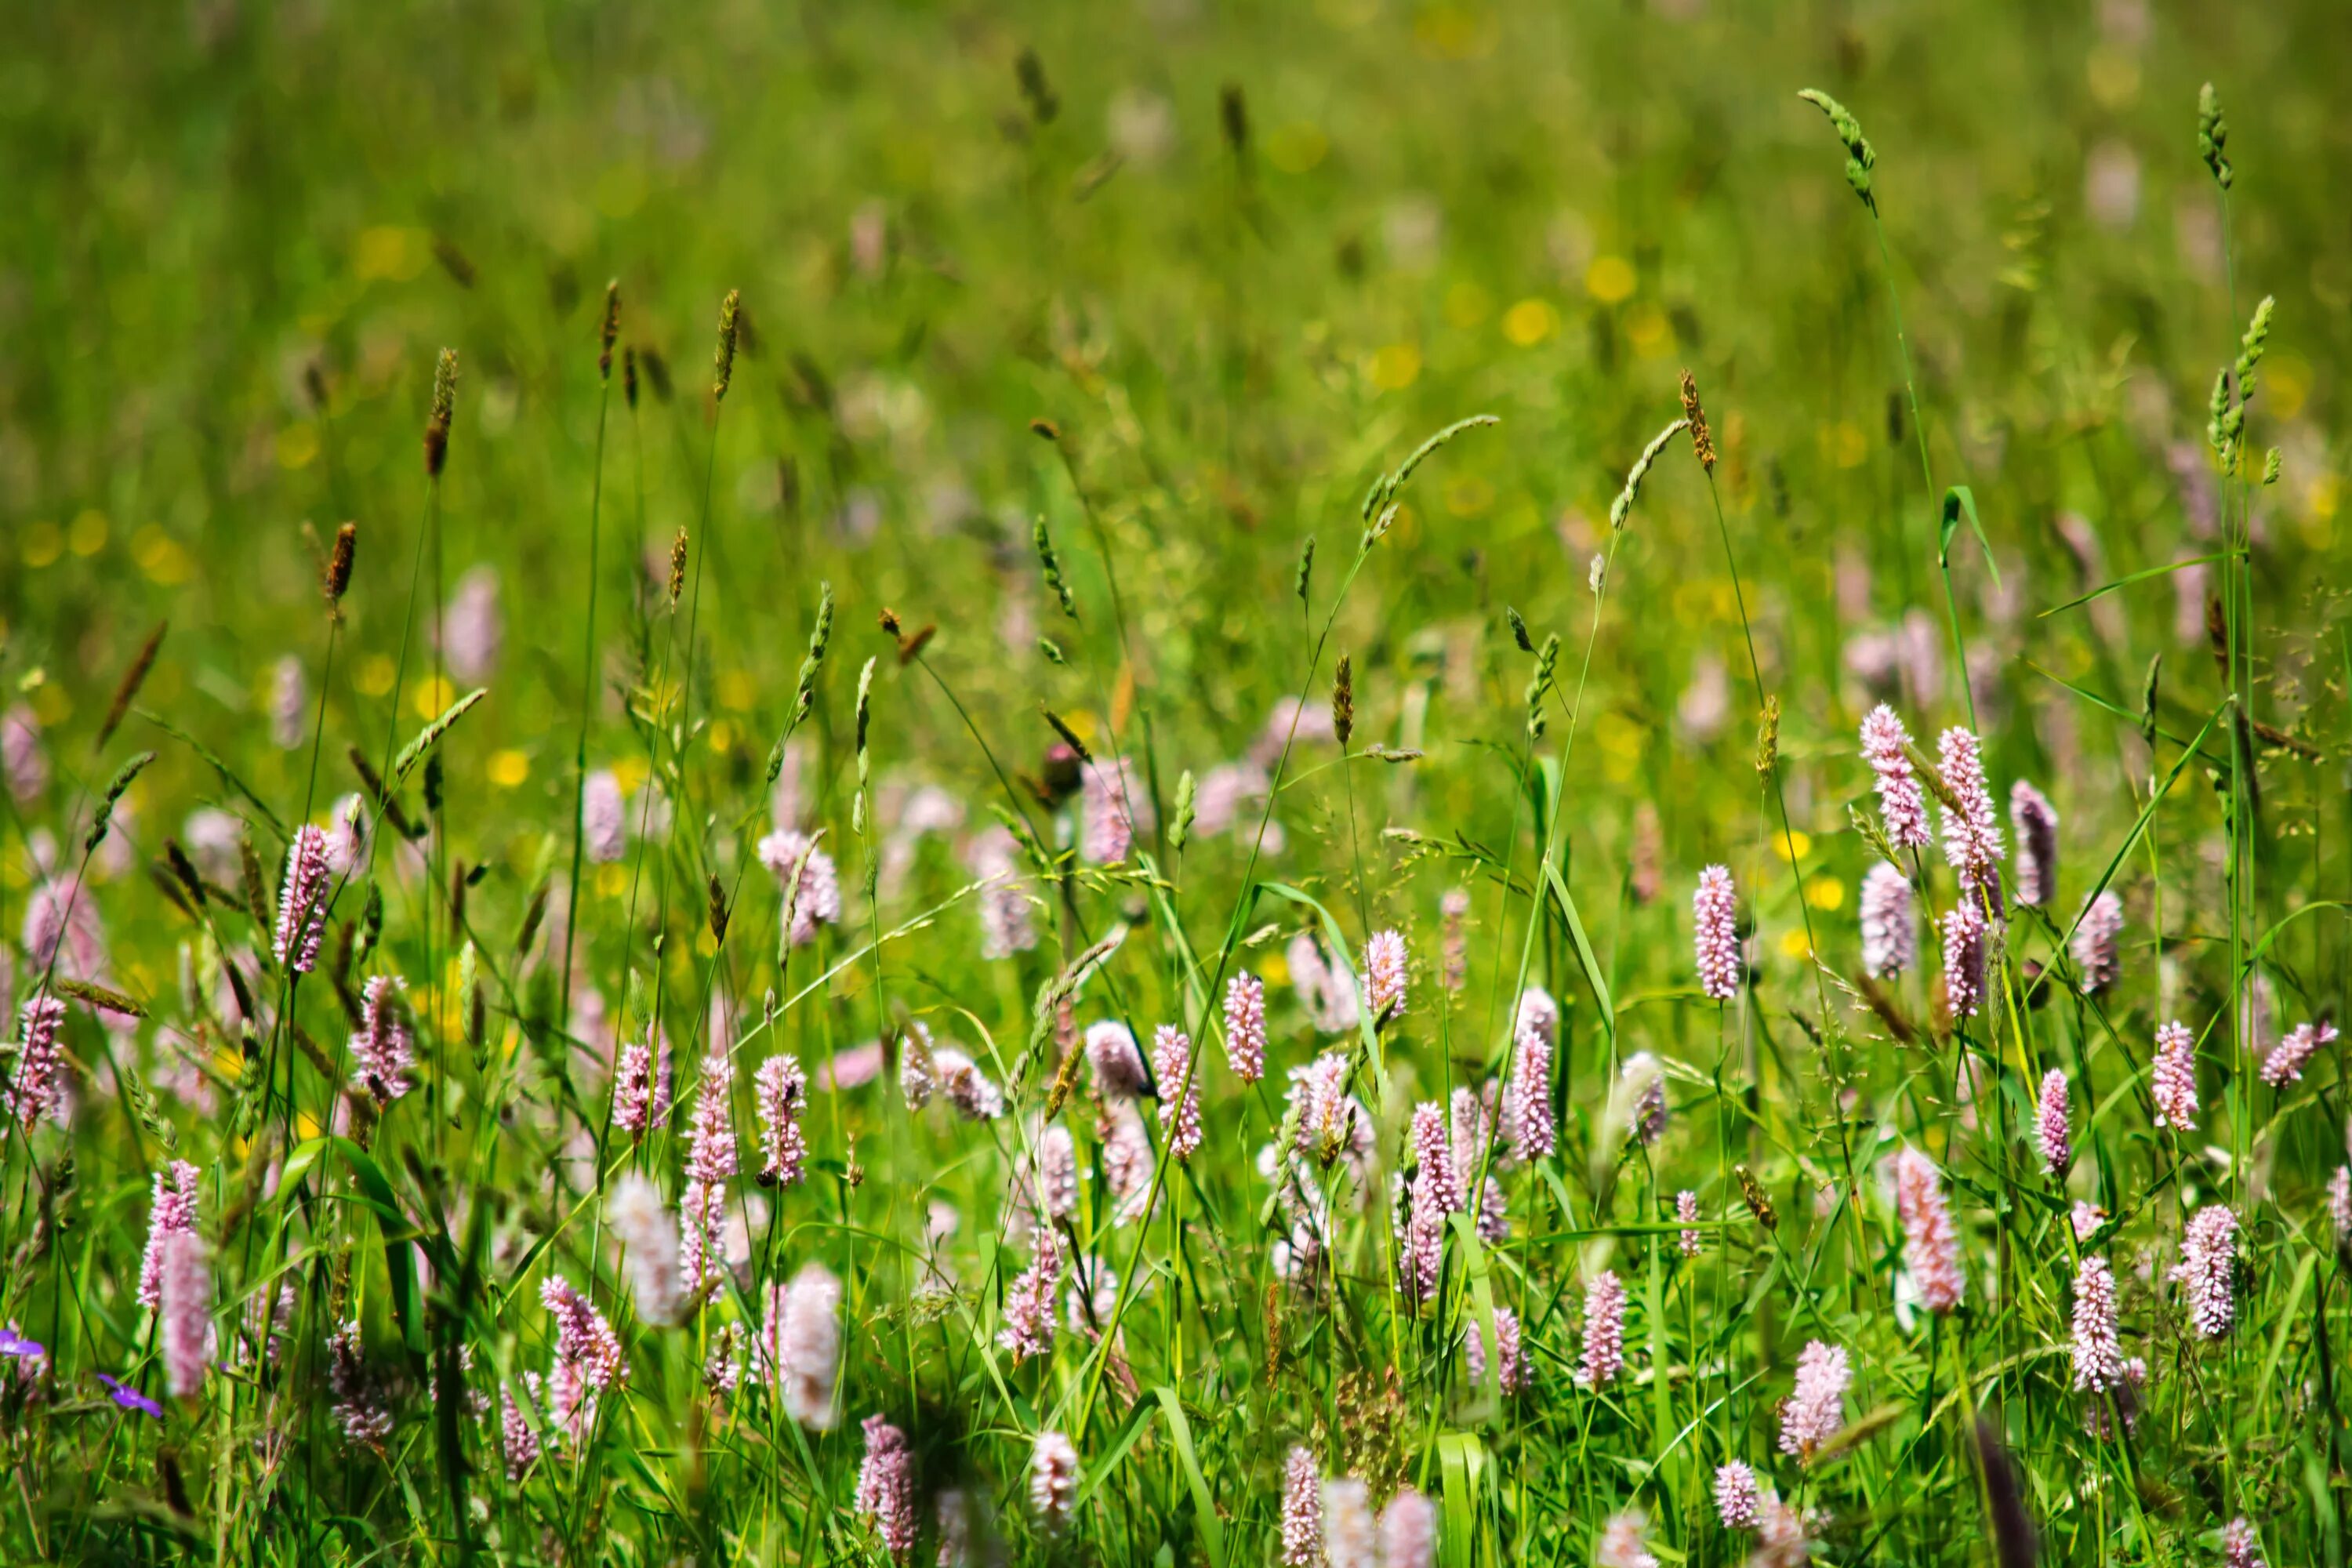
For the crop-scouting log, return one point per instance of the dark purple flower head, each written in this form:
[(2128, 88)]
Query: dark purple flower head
[(130, 1398)]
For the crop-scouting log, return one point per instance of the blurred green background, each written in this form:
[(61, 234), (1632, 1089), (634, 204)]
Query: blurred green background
[(1409, 211)]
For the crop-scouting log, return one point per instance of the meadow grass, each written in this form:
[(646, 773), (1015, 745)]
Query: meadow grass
[(1127, 817)]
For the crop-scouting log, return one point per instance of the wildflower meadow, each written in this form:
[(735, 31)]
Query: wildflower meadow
[(1358, 786)]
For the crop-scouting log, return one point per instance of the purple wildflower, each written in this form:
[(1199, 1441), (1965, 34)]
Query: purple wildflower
[(130, 1398), (1246, 1027), (1536, 1010), (2240, 1548), (2339, 1201), (1715, 914), (2035, 821), (302, 900), (1890, 930), (640, 1100), (1686, 1211), (1901, 805), (359, 1407), (2173, 1077)]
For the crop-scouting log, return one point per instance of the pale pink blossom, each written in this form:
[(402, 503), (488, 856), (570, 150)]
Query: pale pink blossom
[(2097, 1353), (1605, 1331), (1180, 1095), (1118, 1063), (2285, 1063), (1510, 1370), (603, 822), (886, 1487), (1053, 1481), (302, 900), (382, 1055), (1902, 807), (2206, 1271), (1302, 1511), (812, 893), (1246, 1027), (1408, 1531), (648, 1238), (2094, 945), (1964, 958), (780, 1098), (2035, 821), (1815, 1411), (1971, 831), (1716, 940), (1527, 1118), (1890, 924), (1384, 974), (187, 1306), (2173, 1077), (1931, 1250), (2053, 1124), (172, 1211), (1622, 1543), (1737, 1495)]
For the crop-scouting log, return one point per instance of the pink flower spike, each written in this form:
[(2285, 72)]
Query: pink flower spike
[(1737, 1495), (1890, 923), (1902, 806), (2098, 1354), (1815, 1410), (1716, 940), (302, 900), (1246, 1027), (1302, 1511), (1384, 974), (1180, 1091), (1930, 1249), (2053, 1129), (1605, 1331), (2173, 1077)]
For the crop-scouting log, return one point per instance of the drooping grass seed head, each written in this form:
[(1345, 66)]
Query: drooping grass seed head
[(610, 331), (1860, 157), (723, 358), (1343, 701), (2214, 135), (337, 581), (444, 408), (1702, 440)]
